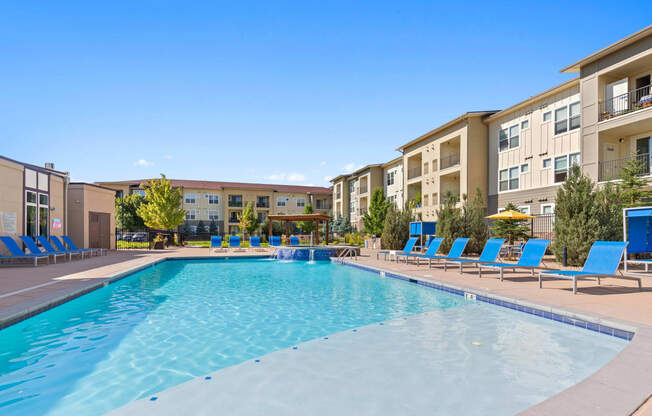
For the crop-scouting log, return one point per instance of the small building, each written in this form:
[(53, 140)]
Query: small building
[(91, 209)]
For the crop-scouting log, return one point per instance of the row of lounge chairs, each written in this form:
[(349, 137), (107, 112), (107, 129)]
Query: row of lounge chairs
[(49, 249), (603, 260), (254, 242)]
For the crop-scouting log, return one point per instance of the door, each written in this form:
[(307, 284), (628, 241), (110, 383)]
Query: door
[(643, 154), (616, 97), (99, 230), (642, 88)]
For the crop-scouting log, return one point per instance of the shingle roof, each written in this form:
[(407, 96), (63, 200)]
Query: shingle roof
[(185, 183)]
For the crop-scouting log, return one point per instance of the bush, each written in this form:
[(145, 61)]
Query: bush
[(396, 230)]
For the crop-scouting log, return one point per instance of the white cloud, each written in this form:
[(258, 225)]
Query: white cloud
[(323, 163), (350, 167), (143, 163), (289, 177), (168, 157)]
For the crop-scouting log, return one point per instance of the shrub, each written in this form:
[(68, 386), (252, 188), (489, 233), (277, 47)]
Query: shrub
[(449, 221), (396, 230), (374, 220)]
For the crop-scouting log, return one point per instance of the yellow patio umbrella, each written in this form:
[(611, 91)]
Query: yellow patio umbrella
[(510, 215)]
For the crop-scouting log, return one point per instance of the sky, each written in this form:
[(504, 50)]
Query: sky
[(271, 91)]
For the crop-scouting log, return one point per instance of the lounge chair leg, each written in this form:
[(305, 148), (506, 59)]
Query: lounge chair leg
[(479, 272), (574, 286), (429, 263), (444, 266), (461, 271), (539, 280), (55, 259), (598, 280), (501, 273), (532, 272)]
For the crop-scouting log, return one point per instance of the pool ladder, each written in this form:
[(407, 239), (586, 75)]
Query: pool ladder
[(347, 252)]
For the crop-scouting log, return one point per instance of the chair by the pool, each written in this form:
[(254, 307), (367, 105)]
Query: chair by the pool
[(431, 251), (275, 241), (489, 254), (409, 246), (72, 246), (254, 242), (294, 241), (18, 253), (234, 243), (603, 261), (59, 246), (52, 251), (216, 243), (35, 249), (531, 257), (454, 253)]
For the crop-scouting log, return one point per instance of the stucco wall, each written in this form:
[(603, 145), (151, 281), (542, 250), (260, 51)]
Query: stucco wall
[(85, 198)]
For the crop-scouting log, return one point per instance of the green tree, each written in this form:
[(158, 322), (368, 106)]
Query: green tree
[(374, 220), (212, 228), (609, 211), (162, 206), (632, 182), (201, 228), (577, 223), (397, 227), (342, 225), (307, 227), (512, 230), (449, 221), (248, 220), (473, 218), (126, 212)]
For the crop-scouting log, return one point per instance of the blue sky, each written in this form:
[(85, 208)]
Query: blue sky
[(283, 92)]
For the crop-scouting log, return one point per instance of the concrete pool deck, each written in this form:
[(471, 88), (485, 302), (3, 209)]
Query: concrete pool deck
[(619, 388)]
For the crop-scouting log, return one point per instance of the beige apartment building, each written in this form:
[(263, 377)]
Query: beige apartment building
[(223, 202), (393, 181), (451, 158), (532, 145), (616, 106), (41, 201)]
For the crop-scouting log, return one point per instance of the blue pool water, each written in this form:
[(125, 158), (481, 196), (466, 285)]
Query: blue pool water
[(182, 319)]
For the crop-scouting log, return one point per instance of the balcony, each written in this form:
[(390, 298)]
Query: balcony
[(414, 172), (451, 160), (235, 203), (323, 205), (609, 170), (234, 220), (338, 195), (363, 189), (262, 204), (629, 102)]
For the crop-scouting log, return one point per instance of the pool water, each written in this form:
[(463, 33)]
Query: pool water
[(181, 319)]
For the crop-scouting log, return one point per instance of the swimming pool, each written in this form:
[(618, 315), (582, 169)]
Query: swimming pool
[(181, 319)]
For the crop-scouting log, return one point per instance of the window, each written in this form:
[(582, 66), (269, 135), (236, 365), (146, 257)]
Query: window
[(190, 198), (563, 164), (213, 199), (390, 178), (434, 165), (547, 163), (282, 201), (301, 202), (213, 215), (192, 214), (547, 209), (351, 187), (262, 202), (435, 200), (574, 159), (508, 138), (233, 216), (425, 200), (235, 200), (525, 124), (425, 168), (525, 168), (574, 121), (547, 116), (525, 209), (31, 215), (138, 192), (508, 179), (43, 214)]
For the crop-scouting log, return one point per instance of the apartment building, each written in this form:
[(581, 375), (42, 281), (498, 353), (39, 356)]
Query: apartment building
[(532, 145), (393, 181), (223, 202), (449, 159), (616, 106)]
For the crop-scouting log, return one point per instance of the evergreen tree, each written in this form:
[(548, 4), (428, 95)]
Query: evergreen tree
[(249, 222), (577, 224), (632, 182), (162, 206), (342, 225), (307, 227), (186, 228), (374, 220), (475, 226), (126, 212), (201, 228), (512, 230), (609, 211), (396, 230), (449, 221), (212, 228)]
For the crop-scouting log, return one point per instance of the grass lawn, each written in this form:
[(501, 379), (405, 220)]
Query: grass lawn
[(129, 244)]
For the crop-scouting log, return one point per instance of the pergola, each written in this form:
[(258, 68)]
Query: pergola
[(300, 217)]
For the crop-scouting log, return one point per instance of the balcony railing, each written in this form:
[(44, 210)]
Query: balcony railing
[(362, 211), (234, 220), (363, 189), (626, 103), (262, 204), (414, 172), (450, 160), (237, 204), (322, 206), (609, 170)]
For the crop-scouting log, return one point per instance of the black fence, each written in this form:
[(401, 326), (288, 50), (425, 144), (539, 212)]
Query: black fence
[(145, 239), (541, 226)]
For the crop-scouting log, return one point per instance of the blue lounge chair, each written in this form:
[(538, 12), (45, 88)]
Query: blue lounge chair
[(234, 242), (294, 241), (72, 246), (531, 258), (18, 253), (61, 247), (216, 243), (455, 252), (433, 246), (489, 254), (254, 242), (275, 241), (52, 251), (34, 249), (409, 246), (603, 261)]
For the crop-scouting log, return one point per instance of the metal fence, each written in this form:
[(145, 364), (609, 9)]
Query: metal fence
[(145, 239), (541, 226)]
